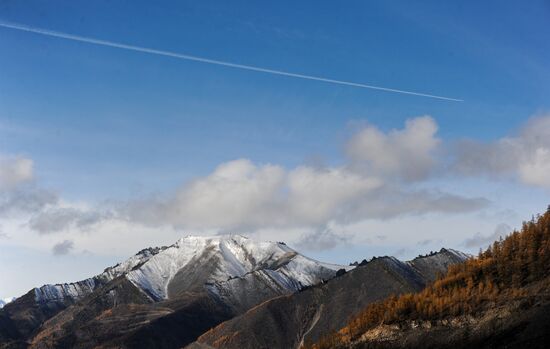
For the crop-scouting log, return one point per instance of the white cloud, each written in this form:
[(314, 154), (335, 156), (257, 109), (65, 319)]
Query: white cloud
[(237, 193), (536, 170), (15, 171), (242, 196), (524, 156), (316, 196), (407, 154)]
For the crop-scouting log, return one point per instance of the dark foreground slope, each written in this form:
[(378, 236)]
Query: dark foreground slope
[(501, 299), (96, 322), (289, 321)]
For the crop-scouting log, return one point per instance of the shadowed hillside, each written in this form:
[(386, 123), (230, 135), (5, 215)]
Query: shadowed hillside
[(287, 322)]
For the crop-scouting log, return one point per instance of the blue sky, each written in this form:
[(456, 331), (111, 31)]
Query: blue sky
[(103, 124)]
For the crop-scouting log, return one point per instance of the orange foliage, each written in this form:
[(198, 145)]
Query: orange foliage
[(496, 274)]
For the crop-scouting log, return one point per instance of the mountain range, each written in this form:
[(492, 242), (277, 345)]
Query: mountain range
[(292, 320), (223, 291)]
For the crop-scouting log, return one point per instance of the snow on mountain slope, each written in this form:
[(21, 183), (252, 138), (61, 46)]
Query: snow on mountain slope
[(444, 255), (290, 273), (430, 266), (215, 260), (77, 290), (196, 262), (289, 322)]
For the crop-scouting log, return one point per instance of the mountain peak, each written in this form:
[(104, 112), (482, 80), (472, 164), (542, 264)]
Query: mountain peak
[(194, 262), (211, 260), (445, 252)]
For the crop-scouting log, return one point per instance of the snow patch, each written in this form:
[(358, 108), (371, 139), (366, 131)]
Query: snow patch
[(77, 290), (5, 301)]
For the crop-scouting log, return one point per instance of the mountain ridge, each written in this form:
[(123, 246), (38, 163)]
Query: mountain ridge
[(198, 283), (292, 320)]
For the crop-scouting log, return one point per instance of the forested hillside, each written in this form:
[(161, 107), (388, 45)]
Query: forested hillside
[(513, 269)]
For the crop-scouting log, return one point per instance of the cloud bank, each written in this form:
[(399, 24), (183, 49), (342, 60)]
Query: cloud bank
[(373, 184), (240, 195), (524, 156), (384, 175)]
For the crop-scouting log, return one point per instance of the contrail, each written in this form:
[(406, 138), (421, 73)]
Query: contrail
[(62, 35)]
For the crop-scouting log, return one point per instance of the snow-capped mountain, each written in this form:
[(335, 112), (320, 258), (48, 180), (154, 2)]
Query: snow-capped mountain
[(200, 282), (219, 263), (195, 283)]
